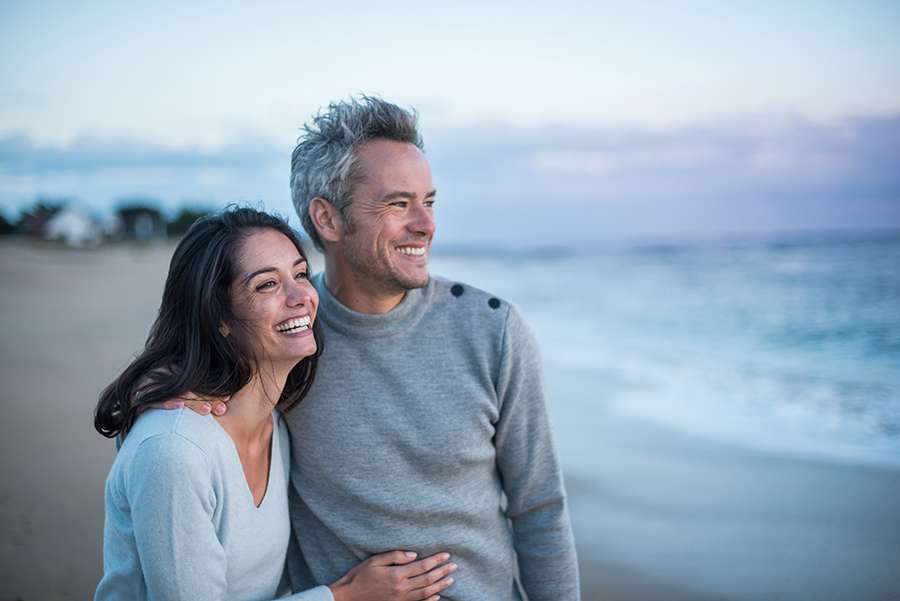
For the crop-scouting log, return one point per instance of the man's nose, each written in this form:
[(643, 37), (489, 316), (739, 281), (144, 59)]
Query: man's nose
[(422, 221)]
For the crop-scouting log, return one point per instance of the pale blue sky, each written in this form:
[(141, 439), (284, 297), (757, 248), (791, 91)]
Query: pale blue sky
[(738, 109), (198, 72)]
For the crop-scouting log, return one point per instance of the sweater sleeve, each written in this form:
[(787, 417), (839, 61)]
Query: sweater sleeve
[(530, 472), (172, 501)]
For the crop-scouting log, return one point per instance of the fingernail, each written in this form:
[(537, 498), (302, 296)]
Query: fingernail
[(449, 580), (204, 409), (219, 410), (445, 556), (410, 554), (453, 567)]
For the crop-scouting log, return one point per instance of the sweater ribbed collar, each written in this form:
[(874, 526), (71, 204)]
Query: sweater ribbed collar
[(365, 325)]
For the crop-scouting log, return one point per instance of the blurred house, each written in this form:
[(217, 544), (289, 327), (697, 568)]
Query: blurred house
[(141, 222), (72, 226), (33, 221), (111, 225)]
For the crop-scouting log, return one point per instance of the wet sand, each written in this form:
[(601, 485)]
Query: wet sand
[(718, 522), (663, 516)]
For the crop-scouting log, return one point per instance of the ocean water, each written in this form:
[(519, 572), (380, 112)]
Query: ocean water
[(789, 345)]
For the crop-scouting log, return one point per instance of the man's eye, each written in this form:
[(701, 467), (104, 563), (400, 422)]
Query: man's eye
[(428, 204), (265, 286), (401, 204)]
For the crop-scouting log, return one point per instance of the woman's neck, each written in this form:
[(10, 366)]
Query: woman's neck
[(249, 416)]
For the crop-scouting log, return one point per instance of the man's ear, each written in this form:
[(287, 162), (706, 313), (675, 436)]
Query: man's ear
[(326, 219)]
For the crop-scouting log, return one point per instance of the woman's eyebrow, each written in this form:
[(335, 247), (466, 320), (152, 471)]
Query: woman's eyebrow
[(250, 276)]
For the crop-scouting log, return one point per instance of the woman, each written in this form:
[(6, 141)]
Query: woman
[(196, 506)]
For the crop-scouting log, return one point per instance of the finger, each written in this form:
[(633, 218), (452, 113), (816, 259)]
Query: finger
[(424, 565), (429, 578), (393, 558), (187, 395), (201, 407), (219, 407), (431, 591)]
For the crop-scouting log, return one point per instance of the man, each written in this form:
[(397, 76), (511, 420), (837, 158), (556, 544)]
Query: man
[(426, 428)]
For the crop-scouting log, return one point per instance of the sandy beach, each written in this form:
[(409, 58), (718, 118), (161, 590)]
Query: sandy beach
[(661, 516)]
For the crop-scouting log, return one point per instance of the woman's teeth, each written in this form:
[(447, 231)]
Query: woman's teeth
[(294, 325)]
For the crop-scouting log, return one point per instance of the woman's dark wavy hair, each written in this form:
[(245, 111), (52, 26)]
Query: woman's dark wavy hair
[(185, 350)]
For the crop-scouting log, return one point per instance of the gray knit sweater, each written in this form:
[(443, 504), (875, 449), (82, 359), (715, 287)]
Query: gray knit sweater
[(426, 430)]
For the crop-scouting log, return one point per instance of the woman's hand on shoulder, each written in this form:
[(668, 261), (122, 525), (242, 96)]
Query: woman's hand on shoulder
[(396, 576)]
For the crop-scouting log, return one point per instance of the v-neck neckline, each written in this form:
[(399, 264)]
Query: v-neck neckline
[(237, 456)]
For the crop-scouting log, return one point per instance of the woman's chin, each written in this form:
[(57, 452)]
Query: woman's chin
[(300, 350)]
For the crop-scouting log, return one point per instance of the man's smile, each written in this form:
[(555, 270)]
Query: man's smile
[(415, 251)]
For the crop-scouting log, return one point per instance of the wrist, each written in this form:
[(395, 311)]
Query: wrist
[(340, 590)]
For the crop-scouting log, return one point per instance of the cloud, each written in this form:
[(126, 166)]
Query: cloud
[(515, 183), (18, 154), (731, 157), (98, 172), (602, 162)]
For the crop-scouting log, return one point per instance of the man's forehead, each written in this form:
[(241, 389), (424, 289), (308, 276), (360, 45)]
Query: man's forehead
[(377, 146), (382, 160)]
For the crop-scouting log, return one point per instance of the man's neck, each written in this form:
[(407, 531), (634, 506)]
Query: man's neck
[(356, 294)]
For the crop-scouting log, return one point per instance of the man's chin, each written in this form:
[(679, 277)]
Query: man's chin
[(412, 282)]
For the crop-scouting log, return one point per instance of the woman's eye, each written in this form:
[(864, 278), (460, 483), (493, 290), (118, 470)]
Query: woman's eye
[(303, 275), (265, 286)]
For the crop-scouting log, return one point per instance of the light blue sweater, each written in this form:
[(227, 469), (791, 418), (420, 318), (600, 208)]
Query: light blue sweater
[(181, 522)]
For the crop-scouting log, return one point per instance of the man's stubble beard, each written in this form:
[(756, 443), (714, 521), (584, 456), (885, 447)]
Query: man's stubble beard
[(378, 272)]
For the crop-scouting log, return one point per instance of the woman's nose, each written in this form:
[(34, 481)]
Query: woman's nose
[(299, 293)]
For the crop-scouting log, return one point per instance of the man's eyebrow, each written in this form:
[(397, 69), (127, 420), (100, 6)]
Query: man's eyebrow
[(250, 276), (406, 195)]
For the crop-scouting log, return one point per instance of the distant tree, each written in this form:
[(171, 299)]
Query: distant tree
[(183, 220), (33, 220), (6, 227)]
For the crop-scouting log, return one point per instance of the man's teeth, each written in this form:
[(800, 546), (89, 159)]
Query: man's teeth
[(294, 325), (412, 250)]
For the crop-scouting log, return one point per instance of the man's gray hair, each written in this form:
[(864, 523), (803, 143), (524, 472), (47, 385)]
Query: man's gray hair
[(324, 162)]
